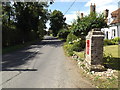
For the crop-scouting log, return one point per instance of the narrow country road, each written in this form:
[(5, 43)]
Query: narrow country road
[(41, 65)]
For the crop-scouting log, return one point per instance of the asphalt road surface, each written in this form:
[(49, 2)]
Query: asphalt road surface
[(41, 65)]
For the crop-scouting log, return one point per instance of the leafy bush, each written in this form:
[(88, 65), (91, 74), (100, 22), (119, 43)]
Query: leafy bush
[(63, 34), (83, 43), (81, 26), (78, 46), (71, 37), (117, 39), (68, 48), (74, 44), (107, 58), (108, 42), (112, 41), (70, 53)]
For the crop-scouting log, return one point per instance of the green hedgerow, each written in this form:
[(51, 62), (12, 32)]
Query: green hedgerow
[(71, 37), (114, 41), (63, 34)]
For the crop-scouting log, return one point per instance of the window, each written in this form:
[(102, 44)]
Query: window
[(113, 33), (107, 35)]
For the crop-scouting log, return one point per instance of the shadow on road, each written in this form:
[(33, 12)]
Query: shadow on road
[(51, 38), (17, 59), (20, 70), (52, 41), (21, 57)]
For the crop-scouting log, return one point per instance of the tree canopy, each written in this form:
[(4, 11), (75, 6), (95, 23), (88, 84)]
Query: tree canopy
[(57, 21), (82, 26), (23, 21)]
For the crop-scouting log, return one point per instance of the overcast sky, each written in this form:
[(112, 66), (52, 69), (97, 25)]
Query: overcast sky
[(82, 6)]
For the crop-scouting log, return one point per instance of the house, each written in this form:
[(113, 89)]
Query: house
[(114, 23)]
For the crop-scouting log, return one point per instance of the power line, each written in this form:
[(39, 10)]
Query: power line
[(70, 7)]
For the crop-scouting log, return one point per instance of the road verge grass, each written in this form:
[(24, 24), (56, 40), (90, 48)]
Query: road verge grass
[(99, 81)]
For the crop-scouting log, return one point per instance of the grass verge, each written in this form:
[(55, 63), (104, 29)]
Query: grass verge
[(111, 49), (99, 81)]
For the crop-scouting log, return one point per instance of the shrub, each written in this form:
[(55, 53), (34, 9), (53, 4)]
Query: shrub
[(83, 43), (74, 44), (70, 53), (78, 46), (68, 48), (112, 41), (107, 58), (116, 40), (63, 34), (71, 37)]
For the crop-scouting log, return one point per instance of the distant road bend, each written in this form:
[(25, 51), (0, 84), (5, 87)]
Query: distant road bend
[(41, 65)]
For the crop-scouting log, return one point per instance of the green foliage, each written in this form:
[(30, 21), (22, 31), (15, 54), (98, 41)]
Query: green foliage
[(82, 26), (112, 41), (83, 43), (68, 49), (23, 22), (0, 11), (71, 37), (76, 47), (110, 61), (16, 47), (108, 42), (63, 34), (107, 58), (117, 39), (74, 44), (57, 21), (81, 55), (82, 65)]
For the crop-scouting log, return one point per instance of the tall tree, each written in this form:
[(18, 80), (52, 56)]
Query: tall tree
[(30, 16), (8, 26), (57, 21), (23, 21)]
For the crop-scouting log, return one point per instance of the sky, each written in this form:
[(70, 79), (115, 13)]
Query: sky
[(82, 6)]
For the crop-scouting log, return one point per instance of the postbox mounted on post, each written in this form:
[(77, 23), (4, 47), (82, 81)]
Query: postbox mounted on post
[(94, 50)]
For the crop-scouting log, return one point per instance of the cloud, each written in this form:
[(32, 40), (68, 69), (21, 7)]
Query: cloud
[(100, 2), (73, 16), (101, 5), (70, 17), (70, 0)]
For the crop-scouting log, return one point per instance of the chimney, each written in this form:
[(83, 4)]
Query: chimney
[(106, 12), (92, 8), (81, 15)]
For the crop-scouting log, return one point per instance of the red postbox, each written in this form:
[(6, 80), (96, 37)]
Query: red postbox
[(88, 46)]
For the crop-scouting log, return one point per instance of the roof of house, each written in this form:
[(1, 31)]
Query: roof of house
[(116, 14), (115, 21)]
